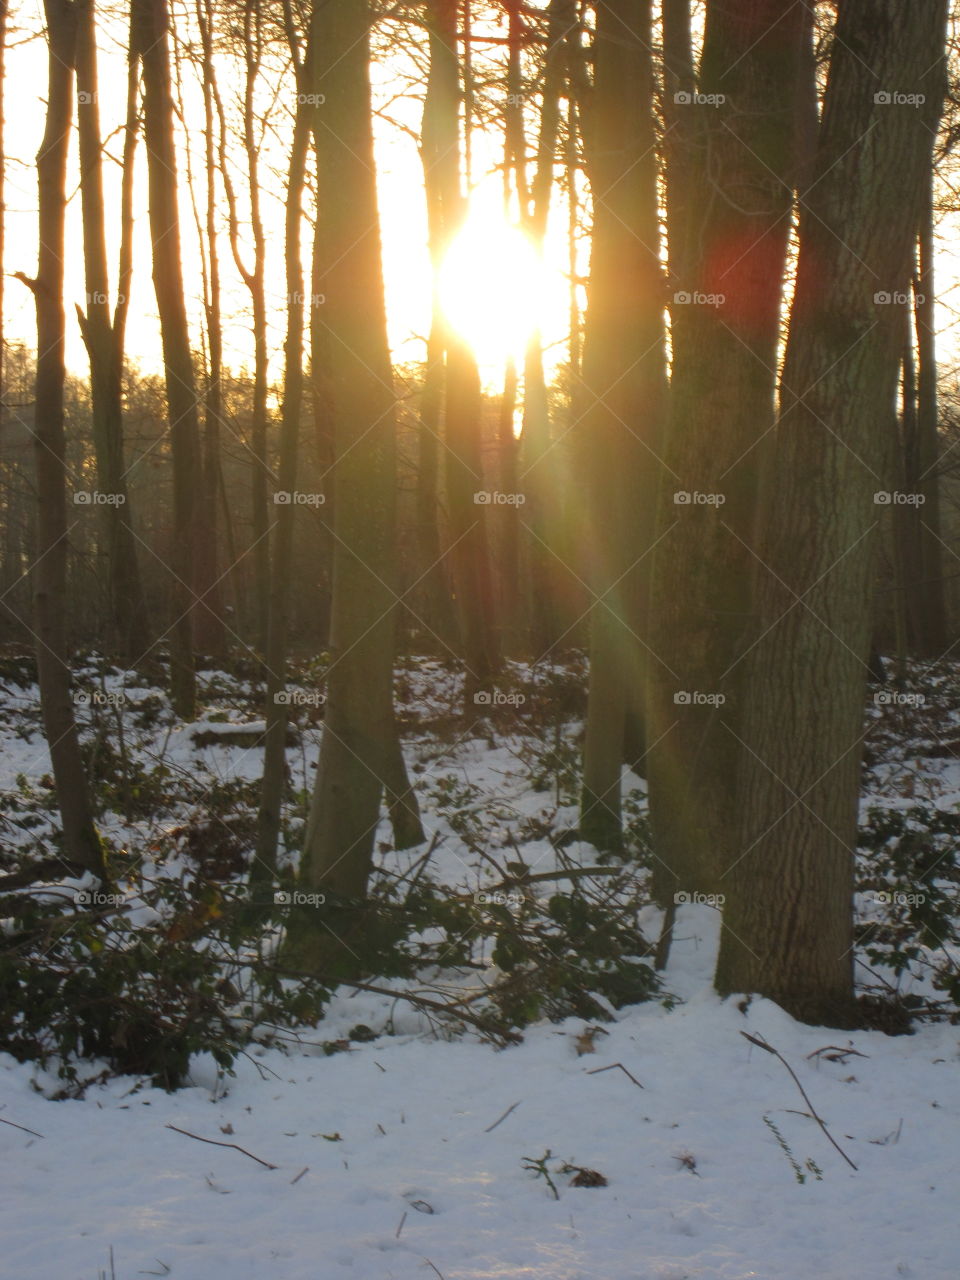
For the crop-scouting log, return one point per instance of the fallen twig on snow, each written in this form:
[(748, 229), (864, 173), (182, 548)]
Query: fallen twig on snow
[(214, 1143)]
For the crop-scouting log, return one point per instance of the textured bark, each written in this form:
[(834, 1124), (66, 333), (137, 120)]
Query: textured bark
[(788, 919), (359, 752), (624, 375), (725, 330), (151, 23), (81, 844), (104, 341)]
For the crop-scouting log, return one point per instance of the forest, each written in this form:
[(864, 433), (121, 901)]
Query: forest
[(479, 638)]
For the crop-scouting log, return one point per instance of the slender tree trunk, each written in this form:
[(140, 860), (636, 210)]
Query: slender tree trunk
[(359, 754), (624, 374), (209, 620), (464, 470), (274, 762), (725, 332), (788, 931), (81, 844), (104, 340), (935, 639), (152, 27)]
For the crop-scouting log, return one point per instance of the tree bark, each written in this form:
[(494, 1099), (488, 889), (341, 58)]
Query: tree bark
[(151, 21), (789, 879), (624, 375), (104, 341), (359, 752), (81, 844), (725, 332)]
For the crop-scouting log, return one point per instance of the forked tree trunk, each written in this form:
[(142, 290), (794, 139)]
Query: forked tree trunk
[(81, 844), (624, 376), (151, 20), (104, 341), (725, 331), (360, 754), (788, 931)]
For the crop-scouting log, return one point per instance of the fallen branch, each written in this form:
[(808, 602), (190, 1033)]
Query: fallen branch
[(232, 1145), (502, 1118), (595, 1071), (21, 1127), (762, 1044)]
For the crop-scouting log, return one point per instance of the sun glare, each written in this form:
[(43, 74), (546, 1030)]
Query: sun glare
[(494, 288)]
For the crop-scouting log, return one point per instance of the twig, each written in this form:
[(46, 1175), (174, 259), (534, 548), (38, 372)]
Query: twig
[(595, 1071), (400, 1228), (214, 1143), (502, 1118), (22, 1127), (762, 1044), (435, 1271), (294, 1181)]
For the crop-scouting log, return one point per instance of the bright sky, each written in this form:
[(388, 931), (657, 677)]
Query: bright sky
[(495, 287)]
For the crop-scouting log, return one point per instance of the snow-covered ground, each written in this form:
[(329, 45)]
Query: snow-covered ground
[(404, 1157), (388, 1166)]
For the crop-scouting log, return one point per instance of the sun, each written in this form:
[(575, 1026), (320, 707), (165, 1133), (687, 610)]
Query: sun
[(495, 289)]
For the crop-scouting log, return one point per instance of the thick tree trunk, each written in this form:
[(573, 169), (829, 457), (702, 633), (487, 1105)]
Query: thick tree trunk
[(81, 844), (725, 331), (789, 880), (104, 341), (624, 374), (359, 753), (152, 27)]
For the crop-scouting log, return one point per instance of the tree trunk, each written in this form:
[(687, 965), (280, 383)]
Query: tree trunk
[(104, 341), (725, 331), (789, 881), (359, 751), (152, 25), (81, 844), (274, 761), (624, 374), (464, 469)]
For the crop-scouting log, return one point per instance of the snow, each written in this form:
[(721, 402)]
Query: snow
[(403, 1158), (413, 1113)]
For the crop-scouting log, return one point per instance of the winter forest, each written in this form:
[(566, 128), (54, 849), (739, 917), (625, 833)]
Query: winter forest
[(480, 639)]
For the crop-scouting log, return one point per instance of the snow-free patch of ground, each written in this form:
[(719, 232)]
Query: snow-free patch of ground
[(390, 1164)]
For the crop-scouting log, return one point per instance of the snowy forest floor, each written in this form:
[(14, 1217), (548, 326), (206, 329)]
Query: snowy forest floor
[(419, 1153)]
